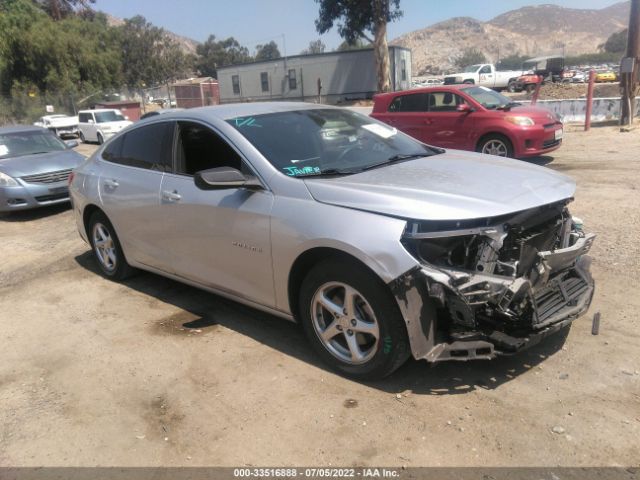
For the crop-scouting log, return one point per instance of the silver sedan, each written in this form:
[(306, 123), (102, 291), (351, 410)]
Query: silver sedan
[(34, 168), (381, 246)]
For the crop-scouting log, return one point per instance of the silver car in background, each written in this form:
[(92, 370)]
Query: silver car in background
[(381, 246), (34, 168)]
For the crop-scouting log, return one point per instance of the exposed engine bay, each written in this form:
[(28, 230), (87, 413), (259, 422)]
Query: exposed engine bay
[(494, 285)]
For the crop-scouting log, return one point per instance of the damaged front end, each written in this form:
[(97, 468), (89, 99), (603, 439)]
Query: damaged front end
[(493, 286)]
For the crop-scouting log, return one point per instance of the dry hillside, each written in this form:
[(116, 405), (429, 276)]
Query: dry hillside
[(188, 45), (534, 31)]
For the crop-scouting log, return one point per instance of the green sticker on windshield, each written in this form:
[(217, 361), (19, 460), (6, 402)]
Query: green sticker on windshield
[(246, 122), (295, 171)]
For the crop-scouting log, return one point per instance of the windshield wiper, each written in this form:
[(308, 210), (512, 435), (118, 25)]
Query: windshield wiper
[(400, 156)]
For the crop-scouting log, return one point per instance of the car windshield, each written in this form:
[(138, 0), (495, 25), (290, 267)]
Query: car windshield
[(472, 68), (18, 144), (110, 116), (326, 141), (488, 98)]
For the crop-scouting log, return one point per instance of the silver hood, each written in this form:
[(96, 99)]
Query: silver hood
[(40, 163), (449, 186)]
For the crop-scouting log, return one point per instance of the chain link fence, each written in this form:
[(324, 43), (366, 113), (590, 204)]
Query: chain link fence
[(26, 107)]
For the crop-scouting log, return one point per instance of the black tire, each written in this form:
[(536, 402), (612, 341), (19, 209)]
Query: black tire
[(388, 352), (530, 88), (469, 82), (486, 141), (100, 138), (81, 136), (120, 269), (511, 87)]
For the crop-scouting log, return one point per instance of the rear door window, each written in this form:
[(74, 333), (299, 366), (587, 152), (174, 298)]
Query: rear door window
[(415, 102), (148, 147)]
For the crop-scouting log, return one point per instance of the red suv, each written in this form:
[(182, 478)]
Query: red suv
[(470, 117)]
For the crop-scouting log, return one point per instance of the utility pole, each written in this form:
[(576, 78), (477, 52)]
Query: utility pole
[(630, 68)]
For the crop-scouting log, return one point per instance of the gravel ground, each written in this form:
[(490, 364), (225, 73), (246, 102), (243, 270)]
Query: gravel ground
[(154, 373)]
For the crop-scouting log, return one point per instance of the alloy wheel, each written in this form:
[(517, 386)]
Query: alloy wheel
[(104, 247), (345, 323), (495, 147)]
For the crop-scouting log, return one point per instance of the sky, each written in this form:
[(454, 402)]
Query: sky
[(290, 23)]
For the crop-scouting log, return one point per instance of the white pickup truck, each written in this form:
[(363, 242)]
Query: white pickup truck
[(484, 74), (60, 125)]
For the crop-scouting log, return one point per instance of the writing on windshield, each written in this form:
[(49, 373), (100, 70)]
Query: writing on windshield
[(325, 141)]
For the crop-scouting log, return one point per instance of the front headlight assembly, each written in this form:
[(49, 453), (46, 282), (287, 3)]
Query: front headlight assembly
[(519, 120), (7, 181)]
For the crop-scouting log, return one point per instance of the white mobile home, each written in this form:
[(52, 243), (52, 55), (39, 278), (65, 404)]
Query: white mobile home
[(332, 77)]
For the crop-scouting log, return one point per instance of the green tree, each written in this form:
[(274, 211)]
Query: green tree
[(268, 51), (213, 54), (511, 62), (354, 19), (316, 46), (358, 44), (46, 55), (617, 42), (59, 9), (470, 56), (149, 56)]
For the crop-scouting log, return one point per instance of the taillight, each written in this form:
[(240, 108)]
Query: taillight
[(71, 175)]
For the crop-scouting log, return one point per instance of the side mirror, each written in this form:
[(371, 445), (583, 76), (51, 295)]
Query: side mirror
[(223, 177), (89, 121), (71, 143), (126, 117), (464, 108)]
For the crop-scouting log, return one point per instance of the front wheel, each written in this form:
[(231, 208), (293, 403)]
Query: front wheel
[(351, 319), (107, 249), (498, 145), (100, 139), (82, 139)]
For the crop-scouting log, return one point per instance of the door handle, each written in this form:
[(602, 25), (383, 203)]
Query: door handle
[(171, 196), (111, 183)]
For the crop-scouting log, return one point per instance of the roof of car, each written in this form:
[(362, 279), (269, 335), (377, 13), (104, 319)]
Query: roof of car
[(98, 110), (20, 128), (429, 88), (233, 110)]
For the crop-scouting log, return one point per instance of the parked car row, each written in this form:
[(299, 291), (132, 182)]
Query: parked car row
[(95, 125)]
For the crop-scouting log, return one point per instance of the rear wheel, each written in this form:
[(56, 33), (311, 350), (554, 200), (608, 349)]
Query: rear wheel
[(352, 321), (468, 82), (107, 249), (495, 144)]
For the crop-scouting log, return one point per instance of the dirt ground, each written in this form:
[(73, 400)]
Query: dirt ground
[(155, 373), (560, 91)]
